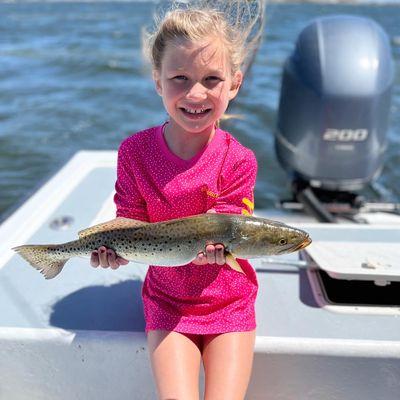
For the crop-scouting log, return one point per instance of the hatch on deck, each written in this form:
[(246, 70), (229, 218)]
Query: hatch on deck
[(356, 265)]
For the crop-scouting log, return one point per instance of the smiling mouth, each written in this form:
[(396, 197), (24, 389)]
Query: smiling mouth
[(195, 112)]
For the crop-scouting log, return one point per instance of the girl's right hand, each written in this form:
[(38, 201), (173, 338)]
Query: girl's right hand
[(106, 258)]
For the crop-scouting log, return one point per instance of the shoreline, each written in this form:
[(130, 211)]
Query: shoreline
[(338, 2), (322, 2)]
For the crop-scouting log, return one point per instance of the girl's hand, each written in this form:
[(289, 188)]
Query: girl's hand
[(106, 258), (215, 254)]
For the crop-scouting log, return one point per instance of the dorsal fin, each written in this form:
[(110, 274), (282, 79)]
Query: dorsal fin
[(112, 225)]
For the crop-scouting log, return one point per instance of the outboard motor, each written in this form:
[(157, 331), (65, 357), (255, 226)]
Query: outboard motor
[(334, 108)]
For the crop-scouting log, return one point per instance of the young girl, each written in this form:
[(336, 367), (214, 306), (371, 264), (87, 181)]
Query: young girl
[(203, 311)]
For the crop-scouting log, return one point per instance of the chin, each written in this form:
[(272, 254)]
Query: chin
[(197, 128)]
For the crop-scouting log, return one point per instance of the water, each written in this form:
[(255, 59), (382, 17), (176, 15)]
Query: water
[(72, 78)]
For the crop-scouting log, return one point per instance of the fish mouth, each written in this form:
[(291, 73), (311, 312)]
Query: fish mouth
[(303, 244), (300, 246)]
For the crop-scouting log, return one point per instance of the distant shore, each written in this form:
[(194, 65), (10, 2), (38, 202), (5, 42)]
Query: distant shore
[(326, 2), (344, 2), (349, 2)]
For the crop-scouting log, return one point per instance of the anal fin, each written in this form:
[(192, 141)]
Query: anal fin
[(232, 262)]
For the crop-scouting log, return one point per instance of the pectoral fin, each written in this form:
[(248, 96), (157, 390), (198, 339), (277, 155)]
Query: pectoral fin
[(232, 262)]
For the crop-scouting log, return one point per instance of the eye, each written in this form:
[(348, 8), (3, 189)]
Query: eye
[(282, 241), (213, 78), (212, 81), (180, 78)]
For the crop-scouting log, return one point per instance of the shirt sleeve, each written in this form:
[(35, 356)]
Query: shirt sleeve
[(128, 199), (237, 186)]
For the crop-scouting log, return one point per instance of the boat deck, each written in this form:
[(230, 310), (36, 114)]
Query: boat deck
[(84, 298), (102, 309)]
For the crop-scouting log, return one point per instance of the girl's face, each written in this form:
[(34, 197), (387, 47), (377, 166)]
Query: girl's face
[(196, 84)]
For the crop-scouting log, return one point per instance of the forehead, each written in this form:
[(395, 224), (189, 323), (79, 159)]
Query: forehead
[(182, 54)]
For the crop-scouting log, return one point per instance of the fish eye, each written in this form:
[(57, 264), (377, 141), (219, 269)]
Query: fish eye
[(282, 241)]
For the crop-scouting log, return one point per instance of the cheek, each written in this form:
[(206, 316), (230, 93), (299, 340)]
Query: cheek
[(169, 98), (220, 95), (174, 90)]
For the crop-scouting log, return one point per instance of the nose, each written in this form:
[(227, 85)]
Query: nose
[(197, 92)]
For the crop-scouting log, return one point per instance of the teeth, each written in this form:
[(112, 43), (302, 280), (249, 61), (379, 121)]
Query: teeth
[(201, 110)]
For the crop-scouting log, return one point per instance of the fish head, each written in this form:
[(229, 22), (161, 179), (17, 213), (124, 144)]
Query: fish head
[(268, 237), (289, 240)]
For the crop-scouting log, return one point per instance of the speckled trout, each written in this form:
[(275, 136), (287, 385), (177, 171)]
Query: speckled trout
[(172, 243)]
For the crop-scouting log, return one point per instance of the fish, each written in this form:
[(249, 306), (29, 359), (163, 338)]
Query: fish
[(174, 242)]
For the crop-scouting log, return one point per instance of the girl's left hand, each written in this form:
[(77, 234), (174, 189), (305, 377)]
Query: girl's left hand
[(215, 254)]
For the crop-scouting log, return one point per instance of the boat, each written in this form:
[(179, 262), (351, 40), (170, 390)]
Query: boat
[(328, 317)]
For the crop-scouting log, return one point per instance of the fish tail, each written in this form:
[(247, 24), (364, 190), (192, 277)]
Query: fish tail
[(45, 258)]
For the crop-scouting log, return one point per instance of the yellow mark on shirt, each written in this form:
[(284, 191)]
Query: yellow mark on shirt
[(209, 192), (245, 212), (248, 203)]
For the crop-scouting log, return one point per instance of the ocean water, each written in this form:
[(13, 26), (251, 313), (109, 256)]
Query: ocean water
[(72, 78)]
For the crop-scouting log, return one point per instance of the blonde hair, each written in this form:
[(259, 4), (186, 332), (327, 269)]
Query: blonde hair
[(238, 24)]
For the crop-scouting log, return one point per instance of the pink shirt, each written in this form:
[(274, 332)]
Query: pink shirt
[(154, 185)]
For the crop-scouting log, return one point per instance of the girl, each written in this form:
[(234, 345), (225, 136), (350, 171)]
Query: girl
[(203, 311)]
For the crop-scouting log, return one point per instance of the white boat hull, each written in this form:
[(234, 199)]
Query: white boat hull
[(56, 344)]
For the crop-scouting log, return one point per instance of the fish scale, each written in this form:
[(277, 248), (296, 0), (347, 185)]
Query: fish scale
[(172, 243)]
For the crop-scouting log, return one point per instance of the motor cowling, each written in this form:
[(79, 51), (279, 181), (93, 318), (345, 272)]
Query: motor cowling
[(335, 102)]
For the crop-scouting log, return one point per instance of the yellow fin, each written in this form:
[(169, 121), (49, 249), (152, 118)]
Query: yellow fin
[(232, 262), (117, 223)]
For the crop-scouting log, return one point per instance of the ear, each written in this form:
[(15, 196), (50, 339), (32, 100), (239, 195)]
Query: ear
[(157, 81), (236, 83)]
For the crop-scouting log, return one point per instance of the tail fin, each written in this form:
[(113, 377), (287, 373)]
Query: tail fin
[(43, 258)]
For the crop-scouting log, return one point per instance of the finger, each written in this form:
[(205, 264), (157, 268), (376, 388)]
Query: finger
[(210, 253), (122, 261), (220, 254), (103, 257), (201, 259), (211, 211), (111, 258), (94, 259)]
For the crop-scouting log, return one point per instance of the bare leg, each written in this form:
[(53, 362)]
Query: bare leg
[(228, 359), (175, 360)]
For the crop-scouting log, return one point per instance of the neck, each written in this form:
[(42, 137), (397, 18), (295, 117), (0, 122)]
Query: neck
[(186, 144)]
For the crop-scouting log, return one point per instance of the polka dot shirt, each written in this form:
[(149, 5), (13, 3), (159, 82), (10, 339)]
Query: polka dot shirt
[(153, 184)]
